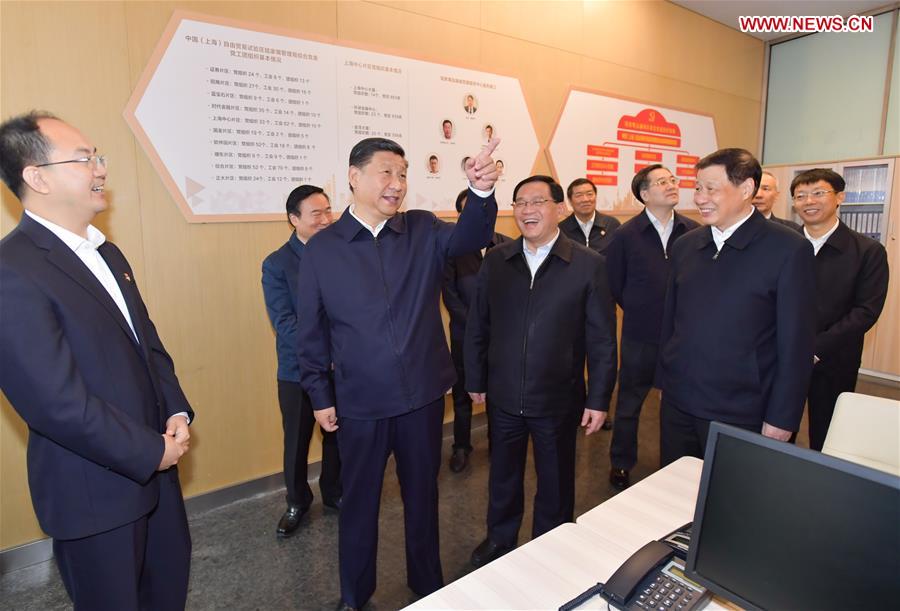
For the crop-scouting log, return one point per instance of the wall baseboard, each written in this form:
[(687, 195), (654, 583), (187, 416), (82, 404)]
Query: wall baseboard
[(29, 554)]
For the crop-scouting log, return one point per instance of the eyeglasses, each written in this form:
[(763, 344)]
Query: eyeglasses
[(662, 182), (817, 194), (94, 161), (521, 204)]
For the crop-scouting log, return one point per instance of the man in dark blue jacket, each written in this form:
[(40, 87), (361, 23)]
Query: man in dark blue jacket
[(369, 305), (82, 363), (458, 292), (638, 264), (737, 335), (541, 305), (308, 212)]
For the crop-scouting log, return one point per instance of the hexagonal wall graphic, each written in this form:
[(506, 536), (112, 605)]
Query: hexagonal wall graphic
[(608, 140), (234, 116)]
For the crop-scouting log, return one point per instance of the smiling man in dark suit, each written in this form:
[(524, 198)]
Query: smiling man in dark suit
[(586, 225), (737, 333), (370, 306), (83, 365), (308, 211), (851, 287), (542, 306)]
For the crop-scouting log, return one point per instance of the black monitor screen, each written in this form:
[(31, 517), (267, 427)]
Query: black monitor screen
[(782, 527)]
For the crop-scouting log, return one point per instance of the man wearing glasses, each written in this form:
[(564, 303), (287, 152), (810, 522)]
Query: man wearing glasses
[(737, 337), (541, 305), (766, 197), (851, 286), (638, 265), (83, 365)]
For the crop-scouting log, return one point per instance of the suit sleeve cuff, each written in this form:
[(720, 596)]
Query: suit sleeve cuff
[(479, 192)]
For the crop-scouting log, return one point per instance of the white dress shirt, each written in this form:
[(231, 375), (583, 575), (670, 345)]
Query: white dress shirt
[(663, 229), (373, 230), (586, 227), (377, 228), (719, 237), (86, 251), (820, 241), (535, 259)]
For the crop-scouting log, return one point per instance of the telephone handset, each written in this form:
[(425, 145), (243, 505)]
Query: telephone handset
[(653, 579)]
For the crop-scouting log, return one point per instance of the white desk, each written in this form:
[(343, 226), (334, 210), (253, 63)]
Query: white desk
[(563, 563)]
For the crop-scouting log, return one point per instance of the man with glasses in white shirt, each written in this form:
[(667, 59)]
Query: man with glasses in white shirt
[(638, 265), (851, 287), (541, 306), (83, 365), (737, 336)]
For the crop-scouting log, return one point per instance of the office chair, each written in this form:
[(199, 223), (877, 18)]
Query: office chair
[(865, 430)]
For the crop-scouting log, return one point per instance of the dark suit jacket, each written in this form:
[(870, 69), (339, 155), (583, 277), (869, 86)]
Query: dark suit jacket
[(638, 269), (95, 401), (459, 286), (785, 222), (601, 232), (851, 286), (372, 307), (737, 335), (525, 345), (279, 282)]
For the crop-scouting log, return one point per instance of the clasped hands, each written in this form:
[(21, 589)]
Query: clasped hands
[(177, 439)]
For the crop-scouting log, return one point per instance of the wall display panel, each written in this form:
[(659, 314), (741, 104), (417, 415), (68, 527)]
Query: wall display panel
[(234, 117), (608, 139)]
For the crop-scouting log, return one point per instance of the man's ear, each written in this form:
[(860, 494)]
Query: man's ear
[(34, 178), (747, 189), (353, 176)]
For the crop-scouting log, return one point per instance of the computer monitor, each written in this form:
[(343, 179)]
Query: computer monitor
[(782, 527)]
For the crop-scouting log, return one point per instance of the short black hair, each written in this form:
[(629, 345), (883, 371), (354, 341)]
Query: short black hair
[(298, 195), (577, 183), (556, 191), (445, 121), (433, 157), (815, 175), (641, 180), (365, 149), (740, 164), (461, 199), (22, 144)]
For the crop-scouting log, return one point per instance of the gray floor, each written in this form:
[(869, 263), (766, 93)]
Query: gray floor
[(238, 563)]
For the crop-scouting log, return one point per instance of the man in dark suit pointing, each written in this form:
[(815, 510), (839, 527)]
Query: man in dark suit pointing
[(82, 363), (370, 307)]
